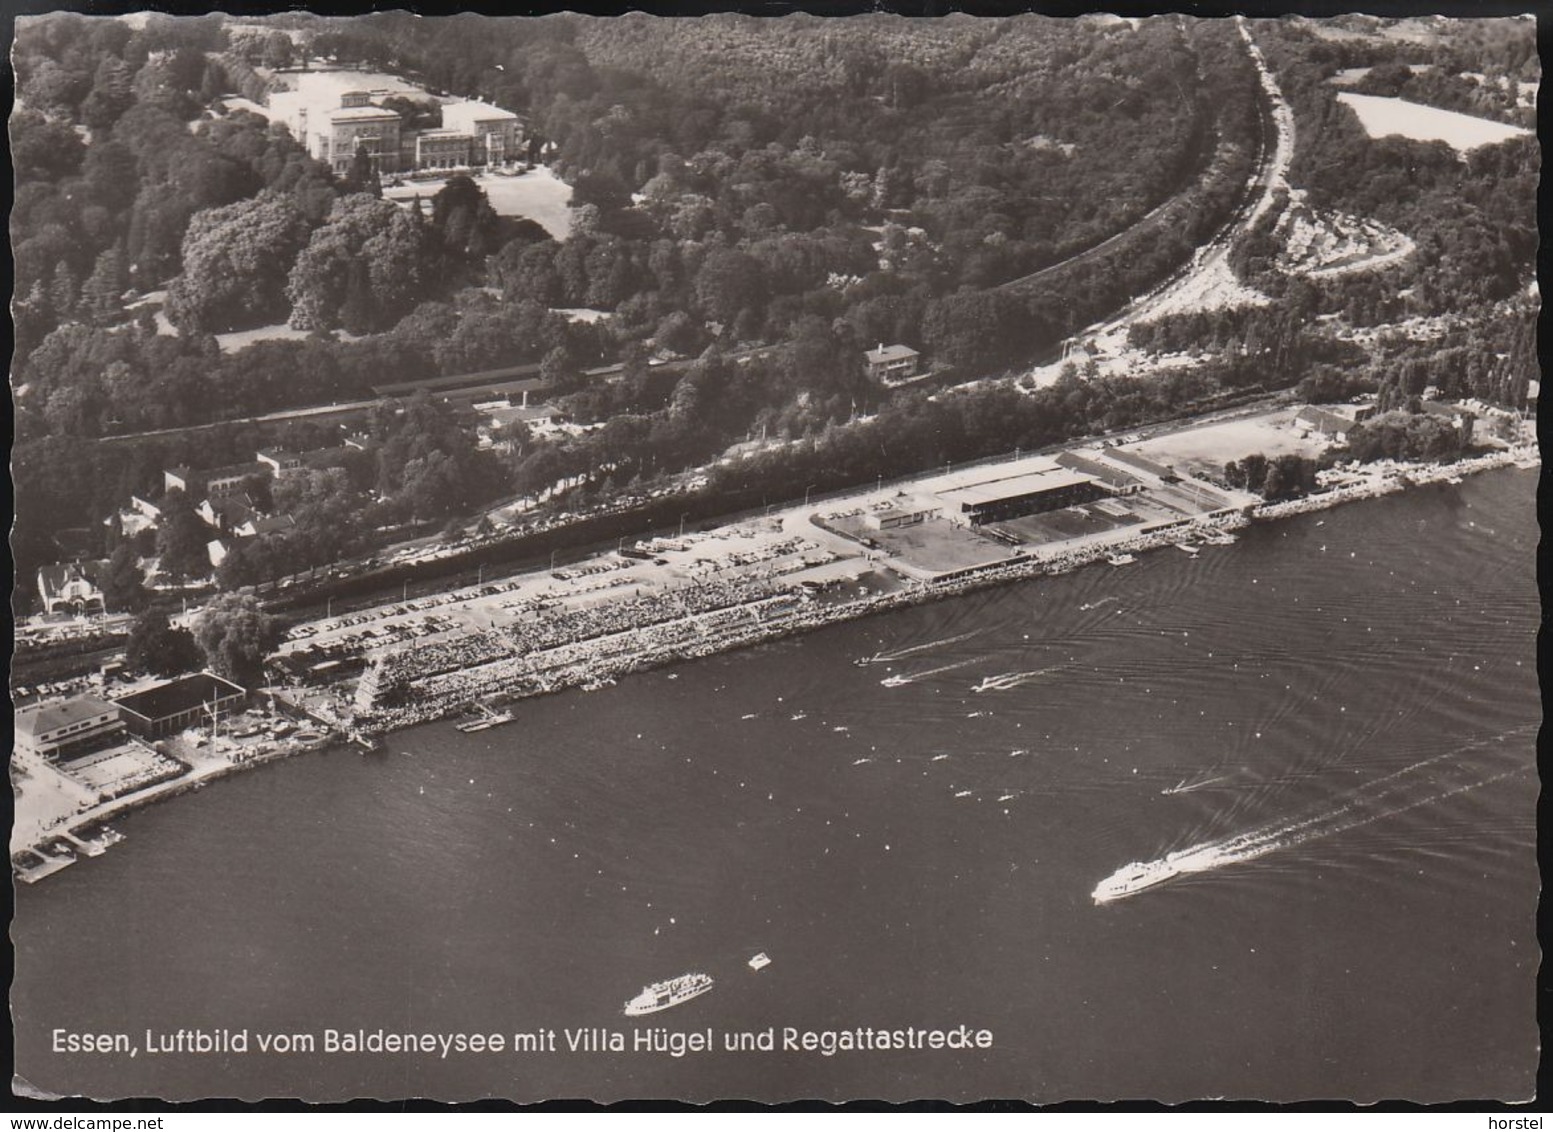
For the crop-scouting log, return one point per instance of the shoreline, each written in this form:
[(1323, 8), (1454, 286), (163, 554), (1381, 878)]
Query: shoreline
[(502, 681), (597, 661)]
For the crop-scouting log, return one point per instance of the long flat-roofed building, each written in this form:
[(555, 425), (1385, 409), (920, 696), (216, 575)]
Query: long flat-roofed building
[(68, 728), (1142, 464), (1114, 478), (986, 496), (179, 704), (443, 149), (214, 483), (899, 515)]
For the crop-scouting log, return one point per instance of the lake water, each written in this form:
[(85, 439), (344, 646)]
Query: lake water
[(1348, 699)]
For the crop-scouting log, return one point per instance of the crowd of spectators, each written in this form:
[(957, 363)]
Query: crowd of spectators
[(558, 638)]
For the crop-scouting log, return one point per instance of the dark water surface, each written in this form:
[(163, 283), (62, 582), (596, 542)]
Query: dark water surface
[(1345, 704)]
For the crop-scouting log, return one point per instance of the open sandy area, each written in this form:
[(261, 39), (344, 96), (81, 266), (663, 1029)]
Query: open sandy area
[(1204, 450), (539, 195), (1388, 117), (237, 339)]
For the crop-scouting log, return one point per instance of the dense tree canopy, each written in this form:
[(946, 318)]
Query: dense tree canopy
[(235, 264), (371, 260), (755, 203)]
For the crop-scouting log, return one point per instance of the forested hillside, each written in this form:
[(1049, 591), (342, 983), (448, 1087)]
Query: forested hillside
[(762, 199)]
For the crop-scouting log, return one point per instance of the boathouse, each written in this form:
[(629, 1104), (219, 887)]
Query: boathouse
[(188, 701), (986, 496)]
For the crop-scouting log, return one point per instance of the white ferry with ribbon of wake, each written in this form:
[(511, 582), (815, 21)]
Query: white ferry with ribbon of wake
[(1134, 878), (670, 992)]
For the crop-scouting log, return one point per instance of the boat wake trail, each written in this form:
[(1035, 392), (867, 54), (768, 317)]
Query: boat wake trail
[(1423, 783), (902, 654), (1007, 680), (1186, 787), (912, 678)]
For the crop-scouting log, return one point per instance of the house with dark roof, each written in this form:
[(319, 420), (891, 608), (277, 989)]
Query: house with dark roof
[(228, 513), (72, 587), (986, 495), (265, 525), (179, 704)]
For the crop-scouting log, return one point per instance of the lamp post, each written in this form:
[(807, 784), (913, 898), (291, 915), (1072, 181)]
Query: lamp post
[(682, 519), (806, 492)]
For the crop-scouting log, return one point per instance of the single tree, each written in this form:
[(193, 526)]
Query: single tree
[(234, 636), (123, 583), (156, 647), (181, 540)]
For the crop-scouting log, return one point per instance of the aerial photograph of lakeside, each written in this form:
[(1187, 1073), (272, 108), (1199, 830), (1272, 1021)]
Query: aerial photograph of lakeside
[(775, 559)]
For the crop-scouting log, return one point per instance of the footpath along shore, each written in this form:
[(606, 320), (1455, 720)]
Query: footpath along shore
[(598, 660)]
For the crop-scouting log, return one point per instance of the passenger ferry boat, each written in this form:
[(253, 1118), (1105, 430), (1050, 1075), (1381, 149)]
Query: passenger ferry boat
[(670, 992), (1134, 878)]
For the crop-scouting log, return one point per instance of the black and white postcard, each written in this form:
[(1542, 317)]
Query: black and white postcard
[(753, 558)]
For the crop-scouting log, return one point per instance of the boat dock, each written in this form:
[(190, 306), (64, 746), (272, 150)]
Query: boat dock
[(90, 848), (48, 864), (64, 848)]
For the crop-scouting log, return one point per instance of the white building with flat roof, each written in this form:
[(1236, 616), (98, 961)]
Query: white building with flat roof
[(891, 363), (494, 132), (336, 113), (66, 728)]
